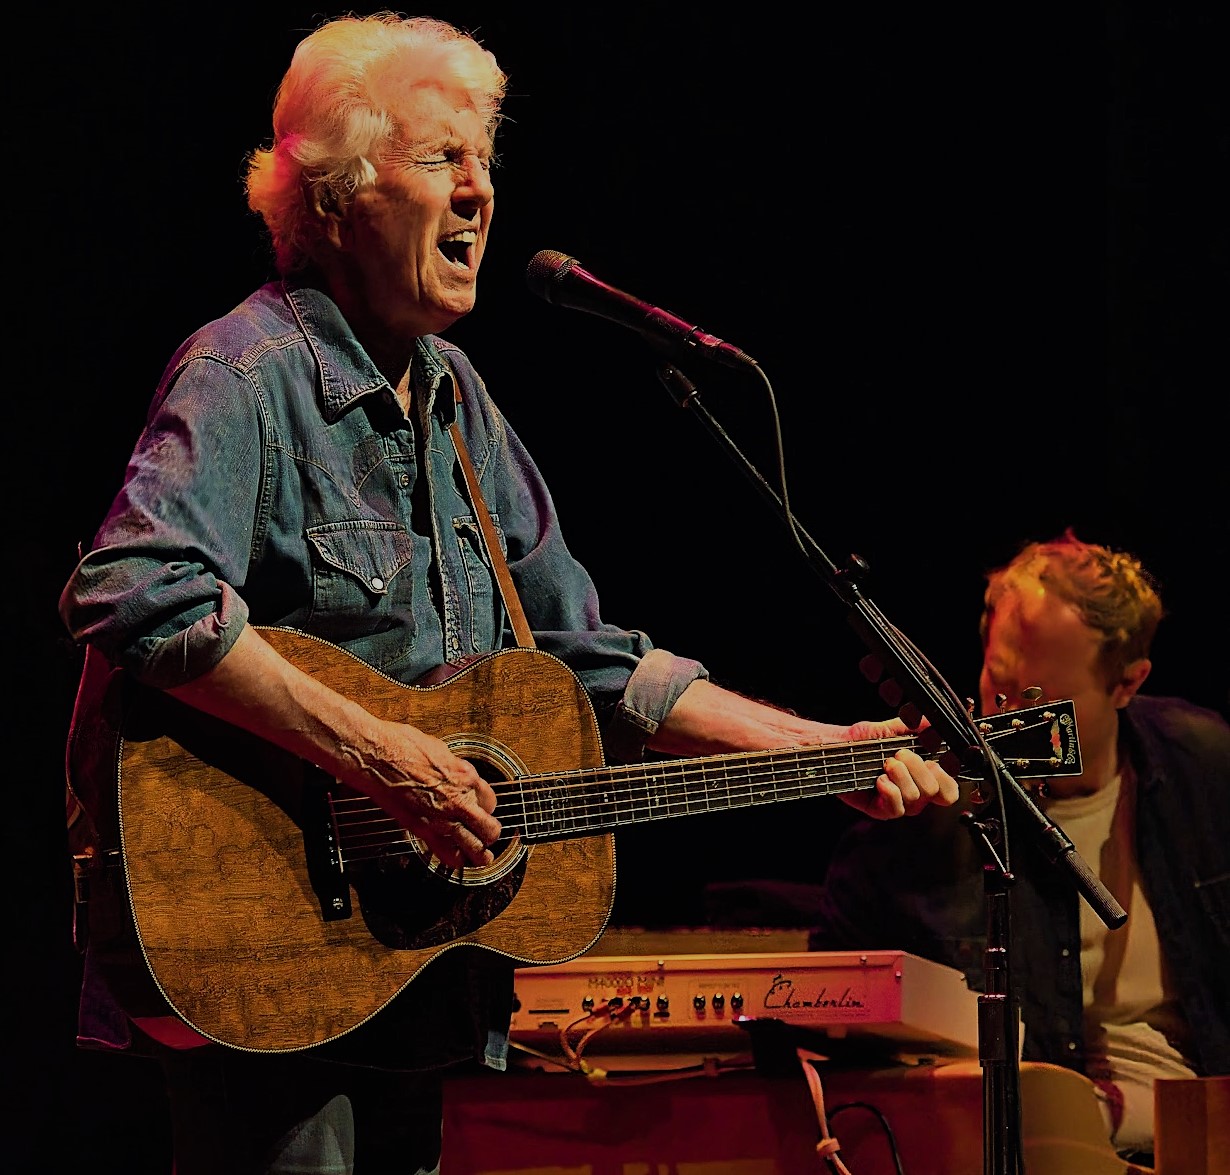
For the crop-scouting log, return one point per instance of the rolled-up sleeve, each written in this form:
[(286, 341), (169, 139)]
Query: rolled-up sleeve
[(654, 687), (158, 592)]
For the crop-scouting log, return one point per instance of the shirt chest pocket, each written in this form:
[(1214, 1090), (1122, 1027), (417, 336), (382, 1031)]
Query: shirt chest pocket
[(361, 569)]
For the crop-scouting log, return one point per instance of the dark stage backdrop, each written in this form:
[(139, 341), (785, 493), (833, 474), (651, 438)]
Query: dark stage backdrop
[(982, 264)]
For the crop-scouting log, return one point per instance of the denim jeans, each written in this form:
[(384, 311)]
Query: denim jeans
[(237, 1113)]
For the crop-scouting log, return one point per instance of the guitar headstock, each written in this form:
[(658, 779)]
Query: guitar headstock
[(1039, 742)]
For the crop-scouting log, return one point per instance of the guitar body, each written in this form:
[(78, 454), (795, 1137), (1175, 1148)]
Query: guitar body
[(259, 939)]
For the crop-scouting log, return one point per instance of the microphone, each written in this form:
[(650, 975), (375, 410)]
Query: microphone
[(560, 280)]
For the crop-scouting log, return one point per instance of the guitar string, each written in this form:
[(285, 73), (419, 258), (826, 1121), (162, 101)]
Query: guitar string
[(530, 806), (551, 806), (658, 773)]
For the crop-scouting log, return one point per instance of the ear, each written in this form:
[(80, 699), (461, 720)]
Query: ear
[(328, 209), (321, 198), (1133, 678)]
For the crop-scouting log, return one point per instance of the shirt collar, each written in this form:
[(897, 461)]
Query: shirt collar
[(346, 370)]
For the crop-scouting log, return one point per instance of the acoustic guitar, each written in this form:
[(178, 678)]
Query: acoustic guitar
[(276, 909)]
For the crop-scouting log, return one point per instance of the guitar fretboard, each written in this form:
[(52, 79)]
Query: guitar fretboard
[(589, 801), (586, 802)]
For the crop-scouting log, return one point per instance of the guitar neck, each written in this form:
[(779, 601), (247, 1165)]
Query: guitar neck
[(586, 802)]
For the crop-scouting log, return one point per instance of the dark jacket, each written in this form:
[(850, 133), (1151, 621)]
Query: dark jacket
[(918, 885)]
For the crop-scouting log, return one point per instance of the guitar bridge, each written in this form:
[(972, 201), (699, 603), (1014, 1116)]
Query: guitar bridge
[(321, 849)]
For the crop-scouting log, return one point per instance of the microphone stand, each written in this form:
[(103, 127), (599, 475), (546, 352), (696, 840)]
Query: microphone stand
[(905, 682)]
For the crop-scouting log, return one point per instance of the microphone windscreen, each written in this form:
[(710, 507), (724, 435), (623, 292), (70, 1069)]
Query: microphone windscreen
[(545, 267)]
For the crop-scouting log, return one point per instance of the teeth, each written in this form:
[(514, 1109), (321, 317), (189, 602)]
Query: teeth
[(455, 247)]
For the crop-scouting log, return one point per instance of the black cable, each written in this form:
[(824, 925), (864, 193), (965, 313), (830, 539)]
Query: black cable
[(888, 1130)]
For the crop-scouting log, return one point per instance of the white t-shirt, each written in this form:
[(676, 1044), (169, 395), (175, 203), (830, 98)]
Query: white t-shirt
[(1134, 1031)]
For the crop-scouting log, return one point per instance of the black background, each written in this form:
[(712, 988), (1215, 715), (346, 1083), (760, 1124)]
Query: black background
[(981, 259)]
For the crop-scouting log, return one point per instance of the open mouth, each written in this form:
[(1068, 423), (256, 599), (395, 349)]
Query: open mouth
[(458, 249)]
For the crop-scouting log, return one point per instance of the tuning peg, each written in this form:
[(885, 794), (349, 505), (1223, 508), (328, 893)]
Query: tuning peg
[(1001, 700), (890, 692), (1031, 693), (911, 715)]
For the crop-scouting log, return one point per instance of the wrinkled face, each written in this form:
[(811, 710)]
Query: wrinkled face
[(1037, 639), (416, 237)]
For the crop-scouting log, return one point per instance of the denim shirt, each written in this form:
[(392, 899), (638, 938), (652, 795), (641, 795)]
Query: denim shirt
[(277, 481), (916, 885)]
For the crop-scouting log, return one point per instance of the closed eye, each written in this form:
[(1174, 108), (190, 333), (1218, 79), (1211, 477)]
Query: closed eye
[(457, 159)]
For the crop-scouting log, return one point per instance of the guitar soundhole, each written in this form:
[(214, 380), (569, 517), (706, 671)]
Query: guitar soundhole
[(497, 765), (405, 910)]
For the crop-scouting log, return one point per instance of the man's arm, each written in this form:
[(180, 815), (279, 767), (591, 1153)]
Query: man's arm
[(412, 775), (708, 719)]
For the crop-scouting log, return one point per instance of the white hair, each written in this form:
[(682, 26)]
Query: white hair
[(327, 128)]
